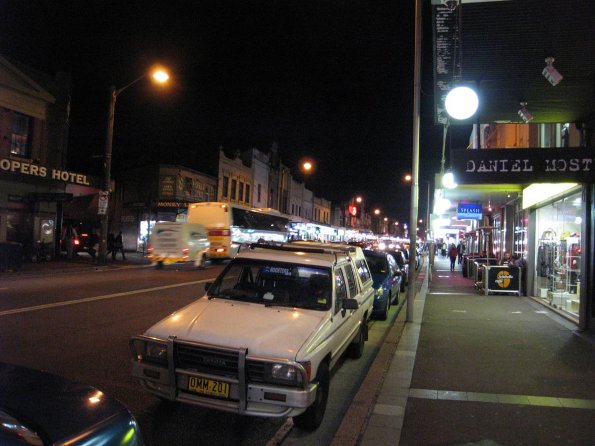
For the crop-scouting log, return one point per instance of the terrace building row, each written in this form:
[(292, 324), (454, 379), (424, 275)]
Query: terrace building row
[(39, 196)]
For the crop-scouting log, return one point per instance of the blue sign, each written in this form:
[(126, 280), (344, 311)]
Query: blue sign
[(469, 211)]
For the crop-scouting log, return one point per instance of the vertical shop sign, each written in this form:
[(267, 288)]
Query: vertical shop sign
[(102, 203)]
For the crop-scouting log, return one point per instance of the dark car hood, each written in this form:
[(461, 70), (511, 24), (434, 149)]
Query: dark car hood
[(54, 406)]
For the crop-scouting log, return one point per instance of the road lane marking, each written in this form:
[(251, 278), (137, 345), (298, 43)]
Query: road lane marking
[(97, 298)]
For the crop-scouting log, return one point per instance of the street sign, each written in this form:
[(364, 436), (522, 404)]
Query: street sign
[(103, 202)]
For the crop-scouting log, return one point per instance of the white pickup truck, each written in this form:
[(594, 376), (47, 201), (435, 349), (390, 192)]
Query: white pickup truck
[(263, 339)]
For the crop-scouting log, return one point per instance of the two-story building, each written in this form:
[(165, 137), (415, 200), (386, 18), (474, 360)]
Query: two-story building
[(37, 191)]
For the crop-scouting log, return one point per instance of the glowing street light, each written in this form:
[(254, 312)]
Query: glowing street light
[(461, 103), (159, 75), (306, 166), (376, 211)]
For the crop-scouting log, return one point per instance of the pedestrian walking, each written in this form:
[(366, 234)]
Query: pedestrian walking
[(453, 253), (118, 246), (110, 243), (68, 236), (92, 243), (461, 250)]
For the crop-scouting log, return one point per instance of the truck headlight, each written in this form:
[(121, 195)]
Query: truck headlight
[(285, 374), (156, 352)]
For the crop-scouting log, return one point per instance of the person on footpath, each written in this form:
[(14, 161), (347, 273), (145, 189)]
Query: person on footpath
[(110, 243), (506, 259), (118, 246), (453, 253), (461, 250)]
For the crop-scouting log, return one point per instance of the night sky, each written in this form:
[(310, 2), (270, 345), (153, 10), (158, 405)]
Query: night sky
[(331, 80)]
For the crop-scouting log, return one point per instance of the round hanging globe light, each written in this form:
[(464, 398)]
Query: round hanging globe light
[(442, 206), (461, 102), (448, 180)]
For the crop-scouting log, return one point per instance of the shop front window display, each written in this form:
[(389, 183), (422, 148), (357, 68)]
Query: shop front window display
[(558, 255)]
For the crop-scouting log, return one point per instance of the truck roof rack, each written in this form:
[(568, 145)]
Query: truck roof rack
[(292, 247), (326, 246)]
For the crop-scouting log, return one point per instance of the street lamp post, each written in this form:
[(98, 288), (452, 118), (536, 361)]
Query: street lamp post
[(415, 155), (160, 76), (376, 221), (428, 212)]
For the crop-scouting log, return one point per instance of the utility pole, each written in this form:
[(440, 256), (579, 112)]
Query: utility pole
[(415, 160)]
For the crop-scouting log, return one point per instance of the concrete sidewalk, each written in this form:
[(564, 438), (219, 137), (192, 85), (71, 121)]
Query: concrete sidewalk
[(81, 262), (489, 370)]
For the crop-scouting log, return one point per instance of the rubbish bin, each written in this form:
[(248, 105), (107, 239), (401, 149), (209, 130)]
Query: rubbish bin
[(11, 256)]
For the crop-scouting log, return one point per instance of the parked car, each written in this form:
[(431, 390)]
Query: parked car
[(403, 266), (387, 281), (79, 238), (264, 338), (39, 408)]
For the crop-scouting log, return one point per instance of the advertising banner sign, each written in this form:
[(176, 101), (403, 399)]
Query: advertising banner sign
[(102, 203), (503, 279), (469, 211)]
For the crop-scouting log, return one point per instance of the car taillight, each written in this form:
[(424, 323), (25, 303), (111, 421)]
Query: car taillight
[(185, 251), (219, 233), (76, 241)]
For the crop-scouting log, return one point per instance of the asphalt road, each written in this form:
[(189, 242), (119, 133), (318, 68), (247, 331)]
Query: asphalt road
[(78, 326)]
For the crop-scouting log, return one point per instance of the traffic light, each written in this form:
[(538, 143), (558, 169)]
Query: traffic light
[(354, 210)]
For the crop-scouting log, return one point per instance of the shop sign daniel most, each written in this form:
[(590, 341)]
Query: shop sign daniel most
[(14, 166), (524, 165)]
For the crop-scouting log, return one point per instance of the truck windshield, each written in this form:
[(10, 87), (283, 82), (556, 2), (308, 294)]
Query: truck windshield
[(274, 284)]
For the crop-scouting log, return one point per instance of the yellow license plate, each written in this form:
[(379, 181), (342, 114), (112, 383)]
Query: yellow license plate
[(208, 387)]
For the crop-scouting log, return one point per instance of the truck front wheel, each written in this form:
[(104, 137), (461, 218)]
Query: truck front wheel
[(312, 417)]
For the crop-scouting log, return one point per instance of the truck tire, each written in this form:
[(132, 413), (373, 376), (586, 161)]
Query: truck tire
[(312, 417)]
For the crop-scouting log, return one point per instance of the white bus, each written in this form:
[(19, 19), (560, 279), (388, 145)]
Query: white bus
[(230, 225)]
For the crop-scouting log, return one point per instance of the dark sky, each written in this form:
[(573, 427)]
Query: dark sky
[(327, 79)]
